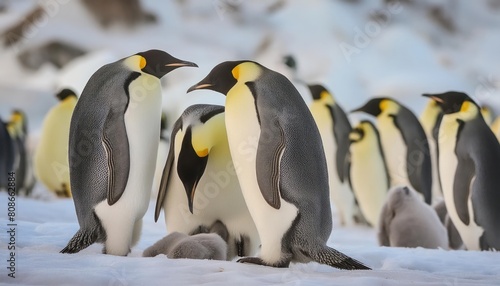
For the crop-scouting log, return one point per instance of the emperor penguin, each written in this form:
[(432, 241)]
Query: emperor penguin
[(495, 127), (430, 118), (454, 239), (199, 185), (18, 130), (367, 170), (334, 128), (50, 161), (469, 160), (113, 141), (406, 221), (487, 114), (7, 153), (405, 145), (280, 163)]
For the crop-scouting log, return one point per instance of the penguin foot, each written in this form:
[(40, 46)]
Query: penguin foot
[(259, 261)]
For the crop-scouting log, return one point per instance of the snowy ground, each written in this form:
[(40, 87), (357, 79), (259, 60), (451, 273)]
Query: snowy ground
[(44, 228), (402, 54)]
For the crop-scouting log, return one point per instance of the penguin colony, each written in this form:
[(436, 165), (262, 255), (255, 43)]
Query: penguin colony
[(253, 179)]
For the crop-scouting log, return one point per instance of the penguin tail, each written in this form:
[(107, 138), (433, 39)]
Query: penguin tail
[(337, 259), (81, 240)]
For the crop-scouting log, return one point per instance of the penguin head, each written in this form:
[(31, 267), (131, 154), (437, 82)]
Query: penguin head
[(155, 62), (364, 129), (65, 93), (455, 102), (225, 75), (204, 128), (18, 124), (320, 93), (290, 62), (378, 106)]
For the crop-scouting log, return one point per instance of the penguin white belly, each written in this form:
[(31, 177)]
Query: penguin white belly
[(448, 164), (340, 194), (368, 181), (243, 132), (218, 197), (122, 221), (51, 156), (394, 150)]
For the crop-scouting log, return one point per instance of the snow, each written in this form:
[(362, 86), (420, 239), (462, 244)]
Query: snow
[(45, 226), (403, 56)]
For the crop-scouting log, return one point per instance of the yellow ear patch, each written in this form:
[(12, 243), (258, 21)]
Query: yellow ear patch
[(236, 72), (202, 153), (354, 136), (142, 62), (465, 106), (384, 104), (324, 95)]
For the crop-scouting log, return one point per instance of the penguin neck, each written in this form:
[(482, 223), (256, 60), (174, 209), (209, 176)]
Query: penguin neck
[(429, 117), (69, 102)]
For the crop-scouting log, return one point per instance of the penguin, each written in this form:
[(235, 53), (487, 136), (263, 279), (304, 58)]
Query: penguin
[(454, 239), (487, 114), (18, 130), (161, 158), (430, 118), (469, 160), (50, 161), (7, 153), (210, 245), (334, 128), (113, 142), (199, 184), (367, 170), (405, 145), (406, 221), (280, 163), (495, 127)]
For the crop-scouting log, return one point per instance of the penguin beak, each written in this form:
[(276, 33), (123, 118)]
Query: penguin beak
[(437, 99), (200, 86), (357, 110), (182, 64)]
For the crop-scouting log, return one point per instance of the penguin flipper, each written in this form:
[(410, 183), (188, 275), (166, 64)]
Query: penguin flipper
[(165, 178), (271, 146), (341, 129), (115, 142), (462, 185), (329, 256)]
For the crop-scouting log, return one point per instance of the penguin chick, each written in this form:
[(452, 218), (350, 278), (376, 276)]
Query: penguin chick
[(198, 246), (50, 161), (113, 143), (405, 221)]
